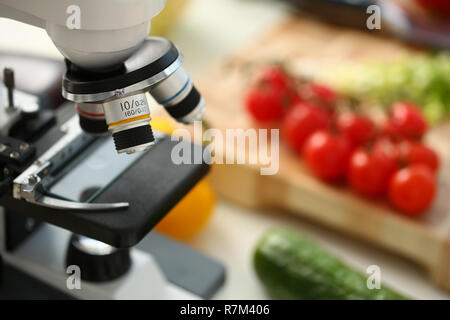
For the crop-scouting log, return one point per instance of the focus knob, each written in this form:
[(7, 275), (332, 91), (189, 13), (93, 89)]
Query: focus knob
[(98, 261)]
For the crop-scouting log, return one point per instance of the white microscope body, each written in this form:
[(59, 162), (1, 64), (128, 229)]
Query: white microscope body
[(91, 34)]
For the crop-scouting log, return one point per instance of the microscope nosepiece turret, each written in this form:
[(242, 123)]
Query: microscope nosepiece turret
[(116, 100)]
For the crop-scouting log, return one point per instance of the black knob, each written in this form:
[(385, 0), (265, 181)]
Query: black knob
[(98, 261), (8, 80), (93, 126)]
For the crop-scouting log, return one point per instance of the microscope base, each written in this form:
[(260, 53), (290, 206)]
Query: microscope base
[(43, 254)]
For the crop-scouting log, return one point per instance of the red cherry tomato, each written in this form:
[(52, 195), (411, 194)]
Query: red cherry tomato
[(302, 120), (412, 189), (265, 104), (323, 93), (327, 155), (274, 77), (389, 131), (440, 7), (406, 120), (387, 149), (417, 153), (271, 96), (369, 171), (357, 128)]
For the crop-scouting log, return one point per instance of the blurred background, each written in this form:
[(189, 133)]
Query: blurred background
[(209, 33)]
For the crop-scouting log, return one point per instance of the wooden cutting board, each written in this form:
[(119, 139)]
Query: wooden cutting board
[(312, 46)]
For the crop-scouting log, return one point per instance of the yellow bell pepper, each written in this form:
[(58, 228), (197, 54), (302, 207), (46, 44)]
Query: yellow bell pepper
[(192, 213)]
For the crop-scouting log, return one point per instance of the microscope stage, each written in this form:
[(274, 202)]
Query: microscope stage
[(152, 185)]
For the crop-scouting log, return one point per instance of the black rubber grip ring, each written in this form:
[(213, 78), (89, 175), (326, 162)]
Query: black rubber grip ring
[(185, 106), (133, 137), (93, 126)]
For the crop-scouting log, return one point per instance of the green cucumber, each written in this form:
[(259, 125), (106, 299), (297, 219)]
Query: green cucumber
[(292, 267)]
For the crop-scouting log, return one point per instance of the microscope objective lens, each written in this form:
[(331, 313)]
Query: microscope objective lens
[(128, 119)]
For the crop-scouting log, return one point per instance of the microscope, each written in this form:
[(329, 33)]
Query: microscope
[(84, 179)]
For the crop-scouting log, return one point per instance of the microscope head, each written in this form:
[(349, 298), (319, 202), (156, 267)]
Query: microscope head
[(98, 35), (98, 50), (93, 34)]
